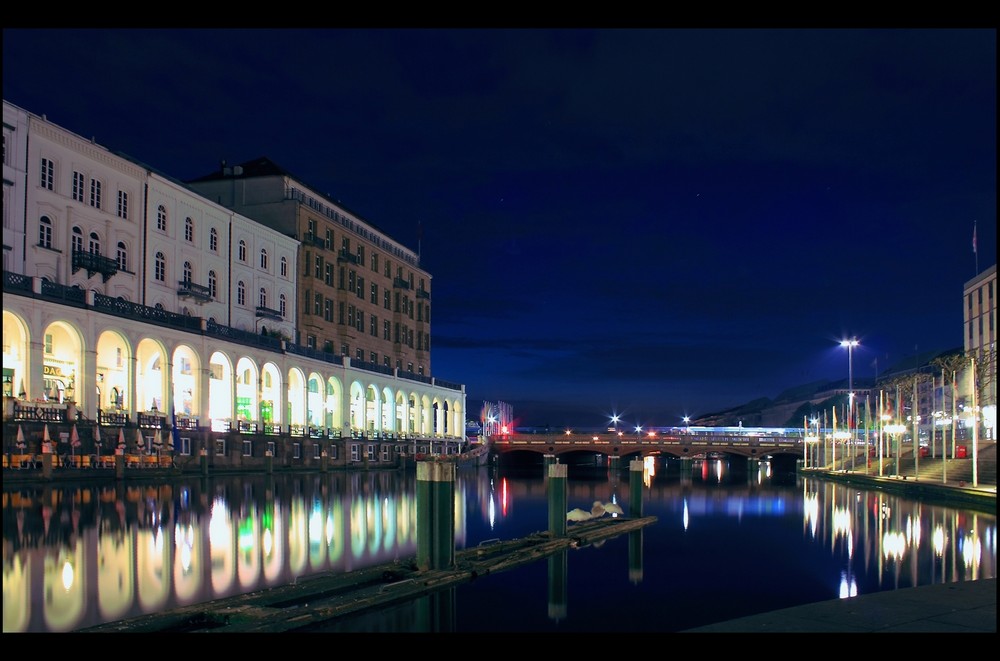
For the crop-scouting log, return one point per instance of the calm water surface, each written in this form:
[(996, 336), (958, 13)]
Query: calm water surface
[(728, 542)]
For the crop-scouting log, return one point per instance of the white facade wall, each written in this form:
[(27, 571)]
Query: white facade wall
[(256, 276), (15, 157), (102, 179)]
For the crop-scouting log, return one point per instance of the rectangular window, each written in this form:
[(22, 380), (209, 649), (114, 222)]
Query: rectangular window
[(48, 174), (375, 262), (360, 355), (386, 330), (328, 276), (355, 452), (78, 186), (373, 326), (296, 450), (332, 452), (220, 447), (185, 448), (387, 361), (317, 450), (350, 316), (370, 451), (351, 281), (319, 266), (386, 300), (308, 302), (95, 193), (270, 447), (311, 341), (361, 288), (123, 205), (48, 343), (385, 453), (373, 358), (340, 313), (374, 295), (306, 262), (329, 239), (344, 350), (361, 322), (247, 449), (318, 305), (328, 310)]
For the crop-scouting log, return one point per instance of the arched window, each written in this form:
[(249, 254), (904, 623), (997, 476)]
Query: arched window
[(213, 284), (242, 255), (122, 256), (161, 218), (241, 293), (213, 240), (281, 305), (77, 240), (263, 258), (189, 230), (45, 232), (95, 244), (160, 267), (284, 267), (187, 272), (263, 297)]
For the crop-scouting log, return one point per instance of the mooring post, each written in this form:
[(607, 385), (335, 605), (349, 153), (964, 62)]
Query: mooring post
[(558, 582), (635, 487), (119, 465), (614, 463), (435, 514), (268, 462), (204, 462), (557, 499)]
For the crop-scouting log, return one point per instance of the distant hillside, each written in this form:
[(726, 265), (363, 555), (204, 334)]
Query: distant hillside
[(791, 405)]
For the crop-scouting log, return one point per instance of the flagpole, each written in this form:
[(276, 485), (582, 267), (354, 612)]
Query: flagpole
[(974, 251)]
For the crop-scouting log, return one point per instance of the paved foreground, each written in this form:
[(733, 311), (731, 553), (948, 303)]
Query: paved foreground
[(965, 607)]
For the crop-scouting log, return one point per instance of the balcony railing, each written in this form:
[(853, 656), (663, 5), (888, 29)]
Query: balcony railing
[(94, 263), (400, 283), (268, 313), (423, 293), (200, 293), (344, 256), (311, 239)]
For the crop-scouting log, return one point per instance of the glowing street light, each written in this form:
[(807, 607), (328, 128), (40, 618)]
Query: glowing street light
[(614, 420), (687, 423), (850, 344)]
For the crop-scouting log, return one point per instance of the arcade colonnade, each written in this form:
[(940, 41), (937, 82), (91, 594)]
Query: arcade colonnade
[(117, 366)]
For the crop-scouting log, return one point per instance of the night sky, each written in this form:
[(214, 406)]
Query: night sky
[(653, 223)]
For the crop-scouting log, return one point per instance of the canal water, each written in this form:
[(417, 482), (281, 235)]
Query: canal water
[(729, 541)]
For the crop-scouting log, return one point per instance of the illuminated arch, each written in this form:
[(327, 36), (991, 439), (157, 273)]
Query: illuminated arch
[(186, 380)]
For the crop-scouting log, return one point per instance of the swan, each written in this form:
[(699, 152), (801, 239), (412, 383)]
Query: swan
[(578, 515), (613, 508), (597, 510)]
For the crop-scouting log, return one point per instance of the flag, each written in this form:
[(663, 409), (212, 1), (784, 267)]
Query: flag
[(973, 237)]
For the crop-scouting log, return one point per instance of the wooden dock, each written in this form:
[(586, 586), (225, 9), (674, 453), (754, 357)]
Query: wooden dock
[(328, 596)]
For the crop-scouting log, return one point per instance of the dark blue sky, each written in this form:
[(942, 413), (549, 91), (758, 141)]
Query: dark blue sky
[(649, 222)]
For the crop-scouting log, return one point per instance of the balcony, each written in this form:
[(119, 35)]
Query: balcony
[(188, 289), (311, 239), (400, 283), (344, 256), (94, 263), (423, 293), (268, 313)]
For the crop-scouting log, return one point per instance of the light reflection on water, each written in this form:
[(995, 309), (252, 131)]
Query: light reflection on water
[(728, 542)]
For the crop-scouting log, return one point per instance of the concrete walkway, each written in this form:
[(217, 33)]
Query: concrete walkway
[(965, 607)]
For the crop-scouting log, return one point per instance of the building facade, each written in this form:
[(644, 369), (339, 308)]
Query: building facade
[(980, 323), (362, 295), (138, 304)]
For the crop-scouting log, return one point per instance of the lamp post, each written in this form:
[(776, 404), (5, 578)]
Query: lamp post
[(850, 344), (687, 424), (614, 421)]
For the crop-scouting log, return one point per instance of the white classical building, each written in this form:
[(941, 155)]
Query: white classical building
[(131, 301)]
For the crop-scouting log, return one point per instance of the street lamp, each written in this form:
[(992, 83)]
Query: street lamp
[(687, 423), (614, 421), (850, 344)]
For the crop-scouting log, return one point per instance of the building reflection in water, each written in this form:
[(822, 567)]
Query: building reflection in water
[(79, 556)]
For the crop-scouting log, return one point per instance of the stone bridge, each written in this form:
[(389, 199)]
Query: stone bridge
[(676, 445)]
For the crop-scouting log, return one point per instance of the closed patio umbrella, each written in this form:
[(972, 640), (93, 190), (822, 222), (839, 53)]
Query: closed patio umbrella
[(121, 440), (74, 441), (20, 438)]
